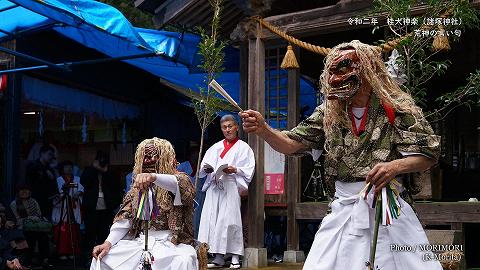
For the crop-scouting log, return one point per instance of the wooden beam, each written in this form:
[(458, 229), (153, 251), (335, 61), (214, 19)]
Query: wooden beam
[(293, 181), (316, 21), (256, 95), (449, 212), (431, 213), (329, 19), (170, 9)]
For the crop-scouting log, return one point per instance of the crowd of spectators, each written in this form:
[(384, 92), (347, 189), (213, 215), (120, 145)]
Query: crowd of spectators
[(57, 215)]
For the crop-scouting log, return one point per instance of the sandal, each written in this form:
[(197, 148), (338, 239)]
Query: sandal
[(235, 266), (214, 265)]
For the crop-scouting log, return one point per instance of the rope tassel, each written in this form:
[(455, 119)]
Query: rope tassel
[(289, 61)]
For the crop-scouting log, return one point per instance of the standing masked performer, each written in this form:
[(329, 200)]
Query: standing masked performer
[(221, 222), (371, 132), (170, 236)]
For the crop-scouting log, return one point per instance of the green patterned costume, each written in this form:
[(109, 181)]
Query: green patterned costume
[(352, 157)]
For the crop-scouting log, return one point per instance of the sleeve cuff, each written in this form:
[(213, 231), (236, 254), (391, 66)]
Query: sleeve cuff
[(170, 183), (118, 230)]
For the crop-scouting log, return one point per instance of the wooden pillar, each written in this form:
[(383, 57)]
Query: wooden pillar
[(256, 95), (255, 254), (243, 92), (293, 163), (293, 180)]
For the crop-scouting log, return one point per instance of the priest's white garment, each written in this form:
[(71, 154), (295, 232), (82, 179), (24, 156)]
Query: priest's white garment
[(126, 254), (221, 222), (343, 240), (59, 203)]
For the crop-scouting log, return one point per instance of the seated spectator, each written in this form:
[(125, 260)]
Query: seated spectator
[(8, 257), (35, 226)]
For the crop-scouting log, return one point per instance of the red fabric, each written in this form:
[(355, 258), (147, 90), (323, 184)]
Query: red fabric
[(63, 239), (390, 111), (227, 146), (3, 82), (362, 123)]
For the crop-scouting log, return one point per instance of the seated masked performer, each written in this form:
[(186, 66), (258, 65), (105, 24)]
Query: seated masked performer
[(170, 236), (372, 132)]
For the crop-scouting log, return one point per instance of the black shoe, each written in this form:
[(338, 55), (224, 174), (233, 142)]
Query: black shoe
[(48, 266)]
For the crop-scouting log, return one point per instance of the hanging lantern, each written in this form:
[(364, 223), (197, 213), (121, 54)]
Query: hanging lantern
[(41, 127), (124, 133), (3, 83), (84, 129), (63, 122)]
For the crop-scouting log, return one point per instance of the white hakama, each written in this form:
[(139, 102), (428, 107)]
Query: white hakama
[(344, 238), (127, 254), (221, 222)]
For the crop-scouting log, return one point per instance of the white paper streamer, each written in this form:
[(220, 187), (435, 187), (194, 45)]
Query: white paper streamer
[(41, 127), (124, 133), (84, 129), (395, 71)]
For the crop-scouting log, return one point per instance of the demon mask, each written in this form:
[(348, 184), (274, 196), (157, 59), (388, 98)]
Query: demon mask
[(150, 158), (344, 75)]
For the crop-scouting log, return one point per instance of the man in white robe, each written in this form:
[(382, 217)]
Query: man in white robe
[(229, 166)]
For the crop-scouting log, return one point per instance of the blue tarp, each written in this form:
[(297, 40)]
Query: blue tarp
[(105, 29)]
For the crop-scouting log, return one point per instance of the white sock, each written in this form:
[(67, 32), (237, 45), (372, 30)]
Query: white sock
[(219, 259), (235, 259)]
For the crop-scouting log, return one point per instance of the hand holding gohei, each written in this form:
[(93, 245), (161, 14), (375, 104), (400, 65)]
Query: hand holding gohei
[(144, 180), (253, 121), (381, 174)]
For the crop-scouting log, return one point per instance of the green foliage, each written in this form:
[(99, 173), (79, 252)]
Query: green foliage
[(133, 14), (417, 58), (212, 52), (206, 105), (467, 95)]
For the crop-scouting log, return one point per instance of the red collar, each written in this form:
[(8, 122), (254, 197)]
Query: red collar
[(227, 146), (363, 123)]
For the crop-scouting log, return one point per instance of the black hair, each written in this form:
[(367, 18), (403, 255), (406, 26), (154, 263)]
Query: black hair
[(102, 158), (62, 165), (45, 148)]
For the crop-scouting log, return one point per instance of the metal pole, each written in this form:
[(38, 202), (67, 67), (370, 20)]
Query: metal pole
[(30, 58), (67, 65)]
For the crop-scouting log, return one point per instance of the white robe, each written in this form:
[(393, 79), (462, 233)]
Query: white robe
[(344, 238), (221, 222), (57, 204), (126, 254)]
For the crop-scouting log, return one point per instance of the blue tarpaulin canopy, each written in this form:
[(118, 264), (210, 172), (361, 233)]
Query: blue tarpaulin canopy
[(105, 29)]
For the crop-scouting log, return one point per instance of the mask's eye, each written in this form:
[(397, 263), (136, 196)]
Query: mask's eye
[(345, 63), (343, 70)]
